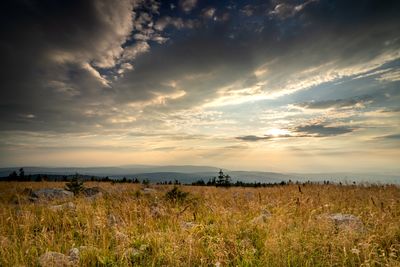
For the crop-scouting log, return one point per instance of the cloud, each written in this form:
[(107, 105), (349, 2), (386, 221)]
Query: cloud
[(391, 110), (286, 10), (321, 130), (252, 138), (187, 5), (391, 76), (179, 23), (248, 10), (393, 137), (305, 130), (209, 12), (131, 52), (337, 103), (107, 58)]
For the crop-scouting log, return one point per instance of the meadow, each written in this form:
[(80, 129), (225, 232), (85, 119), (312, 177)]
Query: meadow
[(129, 225)]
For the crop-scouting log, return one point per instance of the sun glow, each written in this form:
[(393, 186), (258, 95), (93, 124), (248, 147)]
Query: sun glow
[(277, 132)]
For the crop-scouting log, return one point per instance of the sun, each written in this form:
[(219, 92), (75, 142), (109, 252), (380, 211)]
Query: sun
[(277, 132)]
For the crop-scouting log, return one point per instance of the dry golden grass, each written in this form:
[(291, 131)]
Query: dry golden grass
[(213, 226)]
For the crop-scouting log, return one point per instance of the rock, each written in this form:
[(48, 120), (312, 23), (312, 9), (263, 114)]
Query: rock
[(345, 221), (188, 225), (51, 194), (54, 259), (74, 255), (121, 238), (156, 211), (114, 221), (65, 206), (262, 218), (131, 253), (148, 190), (92, 192), (134, 252)]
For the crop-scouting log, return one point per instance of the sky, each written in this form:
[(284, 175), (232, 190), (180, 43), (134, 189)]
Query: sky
[(279, 85)]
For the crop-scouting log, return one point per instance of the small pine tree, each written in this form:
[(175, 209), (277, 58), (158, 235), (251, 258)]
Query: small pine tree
[(223, 180), (22, 174), (75, 185), (175, 195), (227, 180)]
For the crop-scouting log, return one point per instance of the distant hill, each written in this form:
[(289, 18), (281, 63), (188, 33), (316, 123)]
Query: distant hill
[(191, 173)]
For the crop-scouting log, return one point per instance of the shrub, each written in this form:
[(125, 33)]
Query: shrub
[(176, 195), (75, 185)]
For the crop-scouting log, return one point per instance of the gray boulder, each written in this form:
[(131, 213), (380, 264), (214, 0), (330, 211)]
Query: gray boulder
[(262, 218), (188, 225), (74, 255), (345, 221), (51, 194), (55, 259), (92, 192), (134, 252), (148, 190), (131, 253)]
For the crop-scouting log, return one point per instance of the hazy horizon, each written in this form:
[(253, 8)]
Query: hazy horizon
[(289, 86), (192, 168)]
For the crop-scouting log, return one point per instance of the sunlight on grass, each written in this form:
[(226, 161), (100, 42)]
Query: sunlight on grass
[(278, 226)]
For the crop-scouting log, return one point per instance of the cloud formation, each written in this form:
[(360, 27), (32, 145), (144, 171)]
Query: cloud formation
[(337, 103), (214, 70), (253, 138), (187, 5), (321, 130)]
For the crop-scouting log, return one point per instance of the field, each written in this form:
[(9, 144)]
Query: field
[(211, 226)]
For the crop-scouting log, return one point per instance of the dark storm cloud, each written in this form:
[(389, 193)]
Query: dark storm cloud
[(52, 54), (220, 54), (62, 58)]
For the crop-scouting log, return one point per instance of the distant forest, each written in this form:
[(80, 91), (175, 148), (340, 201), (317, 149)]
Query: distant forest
[(222, 180)]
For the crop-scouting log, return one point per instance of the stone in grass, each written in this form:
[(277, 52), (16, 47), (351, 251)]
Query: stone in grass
[(51, 194), (131, 253), (134, 252), (121, 238), (148, 190), (157, 211), (262, 218), (114, 221), (55, 259), (345, 221), (62, 207), (188, 225), (74, 255), (92, 192)]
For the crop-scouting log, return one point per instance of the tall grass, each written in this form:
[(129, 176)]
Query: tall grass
[(211, 226)]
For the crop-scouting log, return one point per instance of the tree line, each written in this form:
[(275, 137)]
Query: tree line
[(222, 180)]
